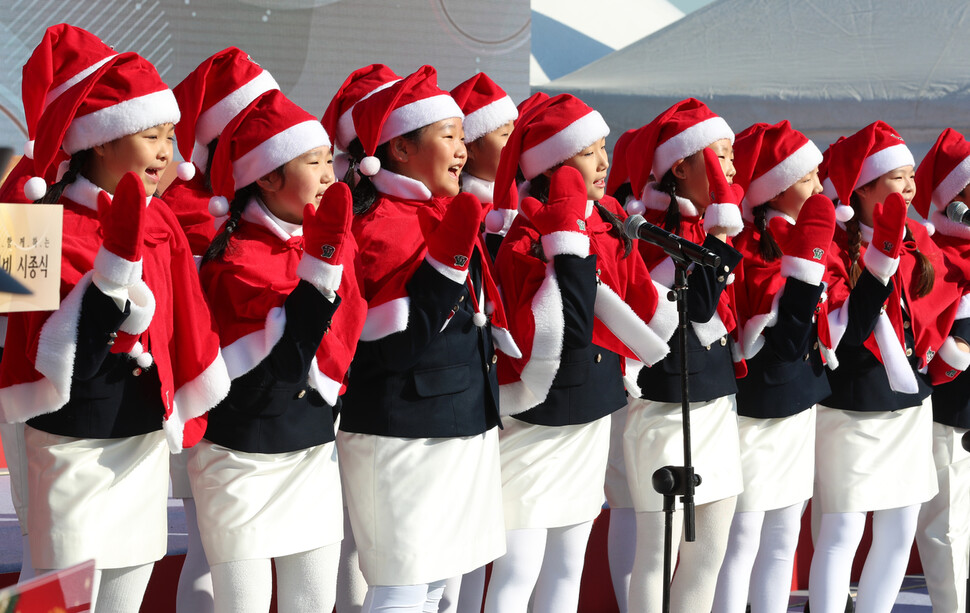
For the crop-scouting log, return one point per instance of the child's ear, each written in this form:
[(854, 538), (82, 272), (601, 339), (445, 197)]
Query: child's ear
[(679, 168), (399, 149), (270, 182)]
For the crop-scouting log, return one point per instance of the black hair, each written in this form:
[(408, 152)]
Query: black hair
[(767, 245), (78, 162), (220, 243), (364, 192), (668, 185)]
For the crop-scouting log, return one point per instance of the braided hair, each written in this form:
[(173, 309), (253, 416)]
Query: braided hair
[(79, 161), (767, 246), (668, 185), (365, 192)]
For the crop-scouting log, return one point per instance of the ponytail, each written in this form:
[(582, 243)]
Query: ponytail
[(616, 228), (925, 272), (668, 185), (767, 246), (77, 163), (220, 243), (208, 163)]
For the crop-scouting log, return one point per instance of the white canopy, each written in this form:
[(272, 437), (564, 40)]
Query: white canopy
[(829, 66)]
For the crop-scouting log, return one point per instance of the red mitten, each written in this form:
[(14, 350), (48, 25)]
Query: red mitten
[(724, 212), (452, 240), (806, 244), (118, 263), (562, 220), (889, 226), (325, 235)]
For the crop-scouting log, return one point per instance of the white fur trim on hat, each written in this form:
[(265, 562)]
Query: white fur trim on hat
[(213, 121), (828, 189), (490, 117), (345, 124), (563, 144), (804, 270), (122, 119), (784, 174), (418, 114), (881, 162), (689, 142), (278, 150), (944, 225), (952, 185)]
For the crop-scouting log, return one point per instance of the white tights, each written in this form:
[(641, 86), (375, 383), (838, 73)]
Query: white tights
[(621, 551), (195, 583), (421, 598), (759, 561), (548, 561), (464, 593), (351, 587), (305, 581), (882, 575), (692, 587), (117, 590)]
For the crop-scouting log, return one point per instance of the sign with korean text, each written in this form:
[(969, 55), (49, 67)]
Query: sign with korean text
[(30, 252)]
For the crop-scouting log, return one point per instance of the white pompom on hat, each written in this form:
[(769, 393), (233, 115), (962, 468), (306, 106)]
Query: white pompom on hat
[(486, 106), (210, 97), (362, 83), (407, 105)]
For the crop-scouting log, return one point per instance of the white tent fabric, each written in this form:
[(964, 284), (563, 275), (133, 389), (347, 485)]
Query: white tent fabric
[(829, 66), (568, 34)]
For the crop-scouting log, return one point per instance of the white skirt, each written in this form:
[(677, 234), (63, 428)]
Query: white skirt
[(105, 499), (423, 509), (870, 461), (653, 439), (265, 505), (617, 489), (15, 453), (553, 476), (777, 461)]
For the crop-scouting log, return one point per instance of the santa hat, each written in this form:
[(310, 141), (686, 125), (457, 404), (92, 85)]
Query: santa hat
[(548, 134), (843, 212), (679, 132), (64, 57), (943, 173), (769, 159), (268, 133), (866, 155), (124, 96), (526, 105), (486, 106), (209, 97), (412, 103), (362, 83), (618, 169)]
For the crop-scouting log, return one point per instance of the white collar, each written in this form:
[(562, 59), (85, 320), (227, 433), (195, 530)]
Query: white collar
[(772, 213), (257, 213), (85, 193), (393, 184), (480, 188), (656, 200)]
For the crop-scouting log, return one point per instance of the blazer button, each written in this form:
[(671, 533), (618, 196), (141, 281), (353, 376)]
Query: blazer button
[(454, 309), (708, 347), (301, 394), (494, 359), (806, 358), (136, 372), (461, 298), (720, 278), (113, 334), (723, 341), (599, 358), (815, 346), (906, 324), (111, 342), (909, 351)]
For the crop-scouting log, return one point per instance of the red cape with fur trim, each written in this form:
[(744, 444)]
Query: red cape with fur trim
[(247, 288), (39, 355), (955, 248), (931, 316), (189, 200), (391, 247), (632, 319)]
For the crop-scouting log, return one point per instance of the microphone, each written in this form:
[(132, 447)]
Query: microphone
[(958, 212), (966, 440), (682, 250)]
